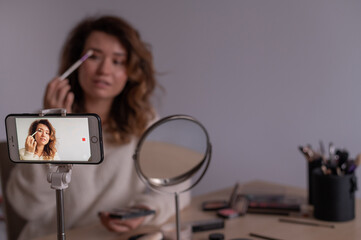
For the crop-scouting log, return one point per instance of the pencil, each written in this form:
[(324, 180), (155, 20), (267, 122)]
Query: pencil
[(306, 223), (76, 65), (262, 236)]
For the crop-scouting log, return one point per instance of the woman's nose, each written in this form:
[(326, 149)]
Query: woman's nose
[(106, 66)]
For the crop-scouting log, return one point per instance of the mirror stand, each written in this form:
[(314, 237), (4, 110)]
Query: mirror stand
[(177, 214)]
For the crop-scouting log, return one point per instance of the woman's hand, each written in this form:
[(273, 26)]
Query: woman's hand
[(30, 144), (58, 95), (117, 225)]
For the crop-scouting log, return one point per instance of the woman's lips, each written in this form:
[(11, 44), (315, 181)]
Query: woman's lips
[(101, 83)]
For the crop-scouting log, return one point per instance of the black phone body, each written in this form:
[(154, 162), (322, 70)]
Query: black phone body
[(128, 213), (78, 138)]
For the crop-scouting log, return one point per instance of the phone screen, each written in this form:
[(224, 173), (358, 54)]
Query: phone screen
[(60, 139)]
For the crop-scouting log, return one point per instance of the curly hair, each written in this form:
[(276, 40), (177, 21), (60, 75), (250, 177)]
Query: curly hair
[(49, 149), (131, 110)]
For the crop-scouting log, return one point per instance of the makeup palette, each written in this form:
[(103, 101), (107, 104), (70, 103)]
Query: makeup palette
[(227, 213), (215, 205), (239, 208)]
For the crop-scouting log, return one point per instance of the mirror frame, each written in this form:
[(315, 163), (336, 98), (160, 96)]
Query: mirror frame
[(157, 183)]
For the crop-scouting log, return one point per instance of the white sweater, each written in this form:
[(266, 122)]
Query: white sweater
[(93, 188)]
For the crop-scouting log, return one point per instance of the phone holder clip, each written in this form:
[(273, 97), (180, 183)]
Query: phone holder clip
[(59, 176), (61, 111)]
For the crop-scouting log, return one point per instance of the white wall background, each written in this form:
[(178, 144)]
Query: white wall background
[(263, 76)]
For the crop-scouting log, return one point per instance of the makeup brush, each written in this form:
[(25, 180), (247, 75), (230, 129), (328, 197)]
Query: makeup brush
[(76, 64), (352, 165), (34, 133), (358, 160)]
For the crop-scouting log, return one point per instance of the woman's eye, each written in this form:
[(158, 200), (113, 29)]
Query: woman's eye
[(94, 57), (118, 62)]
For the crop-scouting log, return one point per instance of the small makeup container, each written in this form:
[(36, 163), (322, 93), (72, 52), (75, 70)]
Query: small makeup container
[(334, 196), (228, 213), (238, 208)]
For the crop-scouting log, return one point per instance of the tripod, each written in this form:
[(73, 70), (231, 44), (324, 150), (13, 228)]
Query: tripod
[(59, 176)]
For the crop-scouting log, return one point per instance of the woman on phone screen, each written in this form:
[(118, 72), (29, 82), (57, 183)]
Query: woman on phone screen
[(40, 142), (116, 83)]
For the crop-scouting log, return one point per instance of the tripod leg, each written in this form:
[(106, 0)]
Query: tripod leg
[(60, 214)]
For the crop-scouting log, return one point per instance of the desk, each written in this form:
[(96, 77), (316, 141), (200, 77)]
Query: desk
[(240, 227)]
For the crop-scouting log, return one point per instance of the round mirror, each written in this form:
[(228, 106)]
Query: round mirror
[(171, 151)]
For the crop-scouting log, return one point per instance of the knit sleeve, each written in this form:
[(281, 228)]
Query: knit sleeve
[(25, 155), (29, 193)]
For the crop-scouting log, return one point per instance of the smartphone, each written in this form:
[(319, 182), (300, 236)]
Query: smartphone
[(70, 139), (128, 213)]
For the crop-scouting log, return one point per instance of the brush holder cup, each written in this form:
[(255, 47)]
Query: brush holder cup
[(334, 196), (316, 164)]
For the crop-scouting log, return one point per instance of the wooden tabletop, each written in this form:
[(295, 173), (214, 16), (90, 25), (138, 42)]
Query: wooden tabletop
[(240, 227)]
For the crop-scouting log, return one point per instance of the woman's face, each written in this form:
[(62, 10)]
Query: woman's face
[(103, 76), (43, 135)]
